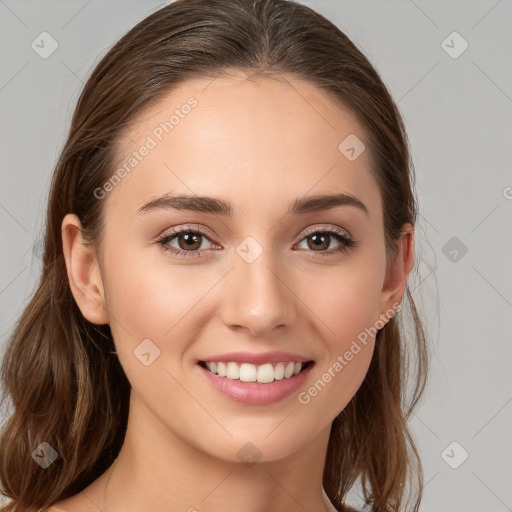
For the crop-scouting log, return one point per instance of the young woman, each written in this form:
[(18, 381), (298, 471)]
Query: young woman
[(219, 323)]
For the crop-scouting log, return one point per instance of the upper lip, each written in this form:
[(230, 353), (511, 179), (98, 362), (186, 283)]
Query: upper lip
[(257, 358)]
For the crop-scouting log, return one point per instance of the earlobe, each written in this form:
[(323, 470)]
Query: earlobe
[(398, 271), (83, 272)]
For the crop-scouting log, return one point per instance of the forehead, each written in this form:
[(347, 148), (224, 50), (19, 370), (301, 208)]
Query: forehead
[(253, 139)]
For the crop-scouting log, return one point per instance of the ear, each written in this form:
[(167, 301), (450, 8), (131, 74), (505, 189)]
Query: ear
[(397, 272), (83, 272)]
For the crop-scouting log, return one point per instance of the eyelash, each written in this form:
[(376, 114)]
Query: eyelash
[(346, 242)]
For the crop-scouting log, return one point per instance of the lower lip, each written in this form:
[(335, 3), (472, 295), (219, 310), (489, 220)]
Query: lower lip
[(256, 393)]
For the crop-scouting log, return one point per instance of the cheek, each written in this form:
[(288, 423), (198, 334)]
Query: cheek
[(344, 301), (348, 340), (154, 315), (148, 297), (345, 308)]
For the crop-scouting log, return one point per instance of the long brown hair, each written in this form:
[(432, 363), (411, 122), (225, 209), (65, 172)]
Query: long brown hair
[(64, 386)]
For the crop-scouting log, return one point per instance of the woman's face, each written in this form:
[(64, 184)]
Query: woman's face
[(264, 274)]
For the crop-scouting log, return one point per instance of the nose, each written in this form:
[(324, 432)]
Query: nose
[(257, 297)]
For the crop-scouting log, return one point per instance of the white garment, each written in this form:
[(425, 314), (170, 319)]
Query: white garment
[(330, 506)]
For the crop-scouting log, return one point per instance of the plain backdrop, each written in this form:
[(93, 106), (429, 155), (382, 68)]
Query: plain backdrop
[(448, 66)]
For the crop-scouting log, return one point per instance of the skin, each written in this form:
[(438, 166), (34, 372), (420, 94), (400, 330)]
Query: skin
[(259, 144)]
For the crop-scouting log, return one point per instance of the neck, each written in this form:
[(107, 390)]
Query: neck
[(162, 472)]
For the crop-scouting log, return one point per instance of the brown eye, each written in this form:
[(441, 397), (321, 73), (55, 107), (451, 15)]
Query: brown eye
[(319, 241), (189, 242)]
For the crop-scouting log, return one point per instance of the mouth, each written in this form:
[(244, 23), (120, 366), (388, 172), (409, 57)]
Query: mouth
[(265, 373), (256, 384)]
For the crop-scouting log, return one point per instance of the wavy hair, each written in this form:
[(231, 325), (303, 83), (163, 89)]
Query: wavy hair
[(63, 385)]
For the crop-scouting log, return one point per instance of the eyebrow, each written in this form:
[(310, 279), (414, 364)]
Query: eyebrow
[(301, 205)]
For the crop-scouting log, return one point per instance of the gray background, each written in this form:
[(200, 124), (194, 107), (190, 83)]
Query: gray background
[(457, 111)]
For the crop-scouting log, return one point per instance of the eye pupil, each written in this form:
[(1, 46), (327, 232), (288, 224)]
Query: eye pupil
[(191, 241), (319, 241)]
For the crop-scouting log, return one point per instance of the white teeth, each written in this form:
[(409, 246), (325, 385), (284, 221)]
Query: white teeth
[(233, 371), (246, 372), (221, 369), (279, 371), (288, 371), (265, 373)]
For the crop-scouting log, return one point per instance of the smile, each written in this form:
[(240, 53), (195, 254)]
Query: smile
[(246, 372), (264, 384)]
